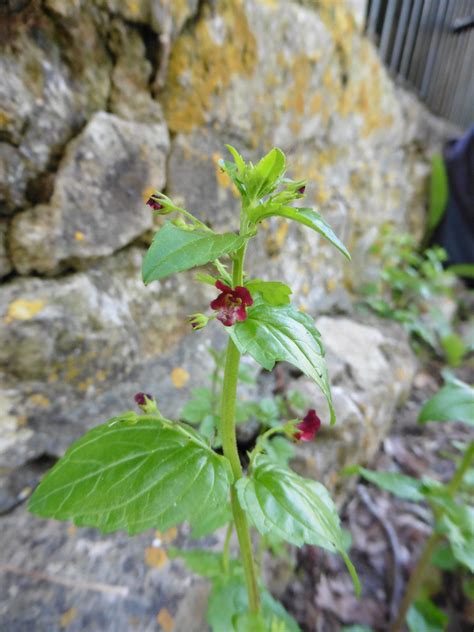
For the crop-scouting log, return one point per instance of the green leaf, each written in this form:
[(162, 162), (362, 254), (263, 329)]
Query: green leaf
[(438, 192), (465, 270), (400, 485), (356, 628), (134, 477), (199, 407), (265, 176), (228, 602), (272, 292), (443, 558), (424, 616), (454, 402), (213, 519), (296, 509), (279, 450), (271, 334), (307, 217), (457, 523), (174, 249), (454, 348), (239, 161), (204, 563)]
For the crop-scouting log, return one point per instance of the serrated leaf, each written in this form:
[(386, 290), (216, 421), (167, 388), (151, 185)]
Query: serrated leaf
[(454, 402), (398, 484), (272, 292), (228, 602), (307, 217), (133, 477), (265, 176), (295, 509), (272, 334), (174, 249), (457, 523)]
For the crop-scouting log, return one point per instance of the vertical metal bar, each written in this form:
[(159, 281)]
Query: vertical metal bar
[(459, 110), (434, 47), (373, 18), (441, 64), (423, 40), (387, 30), (410, 39), (456, 61), (400, 36)]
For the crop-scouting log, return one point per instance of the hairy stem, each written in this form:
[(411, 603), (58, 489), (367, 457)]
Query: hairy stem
[(229, 445), (419, 572)]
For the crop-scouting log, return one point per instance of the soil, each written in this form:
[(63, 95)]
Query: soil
[(388, 533)]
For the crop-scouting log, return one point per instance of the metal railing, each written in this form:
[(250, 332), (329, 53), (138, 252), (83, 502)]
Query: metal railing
[(430, 45)]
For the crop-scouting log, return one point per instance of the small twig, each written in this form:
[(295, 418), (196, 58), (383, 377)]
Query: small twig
[(121, 591), (397, 583)]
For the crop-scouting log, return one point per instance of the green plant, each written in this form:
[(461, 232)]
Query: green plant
[(141, 471), (409, 290), (451, 542)]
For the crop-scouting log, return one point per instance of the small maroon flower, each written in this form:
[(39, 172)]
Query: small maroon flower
[(231, 304), (140, 398), (308, 427), (301, 190), (156, 206)]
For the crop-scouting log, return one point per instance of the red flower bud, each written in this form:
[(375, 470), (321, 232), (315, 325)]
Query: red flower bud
[(308, 427), (156, 206)]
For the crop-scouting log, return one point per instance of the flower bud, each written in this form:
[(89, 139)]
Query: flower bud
[(146, 402), (198, 321)]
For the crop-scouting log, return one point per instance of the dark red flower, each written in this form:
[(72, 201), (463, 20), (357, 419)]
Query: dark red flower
[(231, 303), (156, 206), (301, 190), (140, 398), (308, 427)]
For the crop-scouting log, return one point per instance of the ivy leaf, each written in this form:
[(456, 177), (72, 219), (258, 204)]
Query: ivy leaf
[(454, 402), (265, 176), (282, 333), (272, 292), (400, 485), (307, 217), (174, 249), (134, 477), (296, 509)]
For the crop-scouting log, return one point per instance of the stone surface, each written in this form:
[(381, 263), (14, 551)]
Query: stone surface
[(98, 202), (5, 265)]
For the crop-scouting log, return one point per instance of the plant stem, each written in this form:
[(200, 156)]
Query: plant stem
[(225, 550), (419, 572), (229, 445)]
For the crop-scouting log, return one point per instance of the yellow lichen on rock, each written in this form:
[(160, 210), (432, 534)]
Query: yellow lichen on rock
[(23, 309), (202, 64)]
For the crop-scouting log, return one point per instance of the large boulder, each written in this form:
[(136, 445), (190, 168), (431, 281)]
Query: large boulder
[(98, 204)]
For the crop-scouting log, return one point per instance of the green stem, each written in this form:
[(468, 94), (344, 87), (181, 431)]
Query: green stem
[(229, 445), (225, 550), (419, 572)]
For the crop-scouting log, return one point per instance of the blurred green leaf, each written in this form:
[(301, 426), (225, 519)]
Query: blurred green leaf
[(438, 192), (424, 616), (454, 402)]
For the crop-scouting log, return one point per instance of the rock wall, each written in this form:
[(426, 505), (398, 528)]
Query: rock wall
[(103, 101)]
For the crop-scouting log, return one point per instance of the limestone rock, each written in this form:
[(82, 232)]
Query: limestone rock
[(98, 201), (46, 96), (130, 96)]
